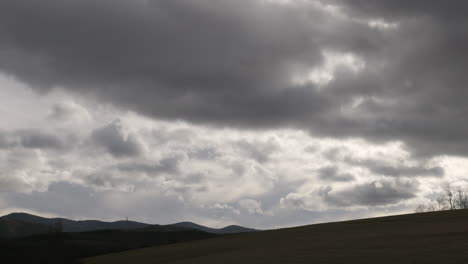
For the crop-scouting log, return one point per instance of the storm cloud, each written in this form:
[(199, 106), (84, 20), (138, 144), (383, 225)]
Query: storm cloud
[(32, 138), (116, 140), (371, 194), (333, 174), (341, 69)]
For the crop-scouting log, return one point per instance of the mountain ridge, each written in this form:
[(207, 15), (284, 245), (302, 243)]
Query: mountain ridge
[(40, 225)]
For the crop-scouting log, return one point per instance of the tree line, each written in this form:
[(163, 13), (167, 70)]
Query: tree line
[(451, 198)]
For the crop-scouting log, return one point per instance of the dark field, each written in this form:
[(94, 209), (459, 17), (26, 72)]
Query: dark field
[(439, 237), (64, 248)]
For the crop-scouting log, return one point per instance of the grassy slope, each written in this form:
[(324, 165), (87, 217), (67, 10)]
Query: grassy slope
[(440, 237), (64, 248)]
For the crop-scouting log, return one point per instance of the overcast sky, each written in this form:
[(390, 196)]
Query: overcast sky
[(263, 113)]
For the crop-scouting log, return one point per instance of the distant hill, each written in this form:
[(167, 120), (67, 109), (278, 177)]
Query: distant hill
[(11, 228), (232, 229), (437, 237), (22, 224), (45, 224)]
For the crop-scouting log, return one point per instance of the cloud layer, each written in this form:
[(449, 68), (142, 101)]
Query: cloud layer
[(236, 109)]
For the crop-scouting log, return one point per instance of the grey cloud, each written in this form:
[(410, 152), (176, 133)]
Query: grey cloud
[(258, 150), (61, 112), (75, 201), (406, 9), (192, 59), (69, 112), (230, 63), (12, 184), (332, 173), (32, 138), (37, 139), (5, 141), (375, 193), (163, 135), (204, 154), (217, 62), (424, 83), (420, 168), (116, 141), (18, 166), (104, 179), (195, 178), (125, 174), (400, 170), (407, 171), (168, 165)]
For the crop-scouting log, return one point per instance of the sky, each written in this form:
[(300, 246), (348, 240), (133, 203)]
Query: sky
[(262, 113)]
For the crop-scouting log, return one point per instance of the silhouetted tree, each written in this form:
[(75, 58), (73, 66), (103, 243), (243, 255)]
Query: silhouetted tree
[(449, 195), (420, 208), (461, 199), (450, 199)]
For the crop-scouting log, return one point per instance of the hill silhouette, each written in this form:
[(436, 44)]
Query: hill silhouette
[(232, 229), (437, 237), (22, 224), (11, 228)]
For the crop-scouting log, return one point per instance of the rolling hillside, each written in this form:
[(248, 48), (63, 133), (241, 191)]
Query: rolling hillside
[(438, 237)]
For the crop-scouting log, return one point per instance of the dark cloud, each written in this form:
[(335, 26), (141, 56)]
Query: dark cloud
[(406, 171), (32, 138), (407, 9), (198, 60), (381, 168), (424, 82), (231, 63), (215, 62), (61, 112), (371, 194), (332, 173), (420, 168), (209, 154), (69, 112), (38, 139), (258, 150), (117, 141), (168, 165), (127, 174)]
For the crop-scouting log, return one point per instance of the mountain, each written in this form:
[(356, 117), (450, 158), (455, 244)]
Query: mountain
[(436, 237), (74, 226), (11, 228), (22, 224), (232, 229), (165, 228)]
